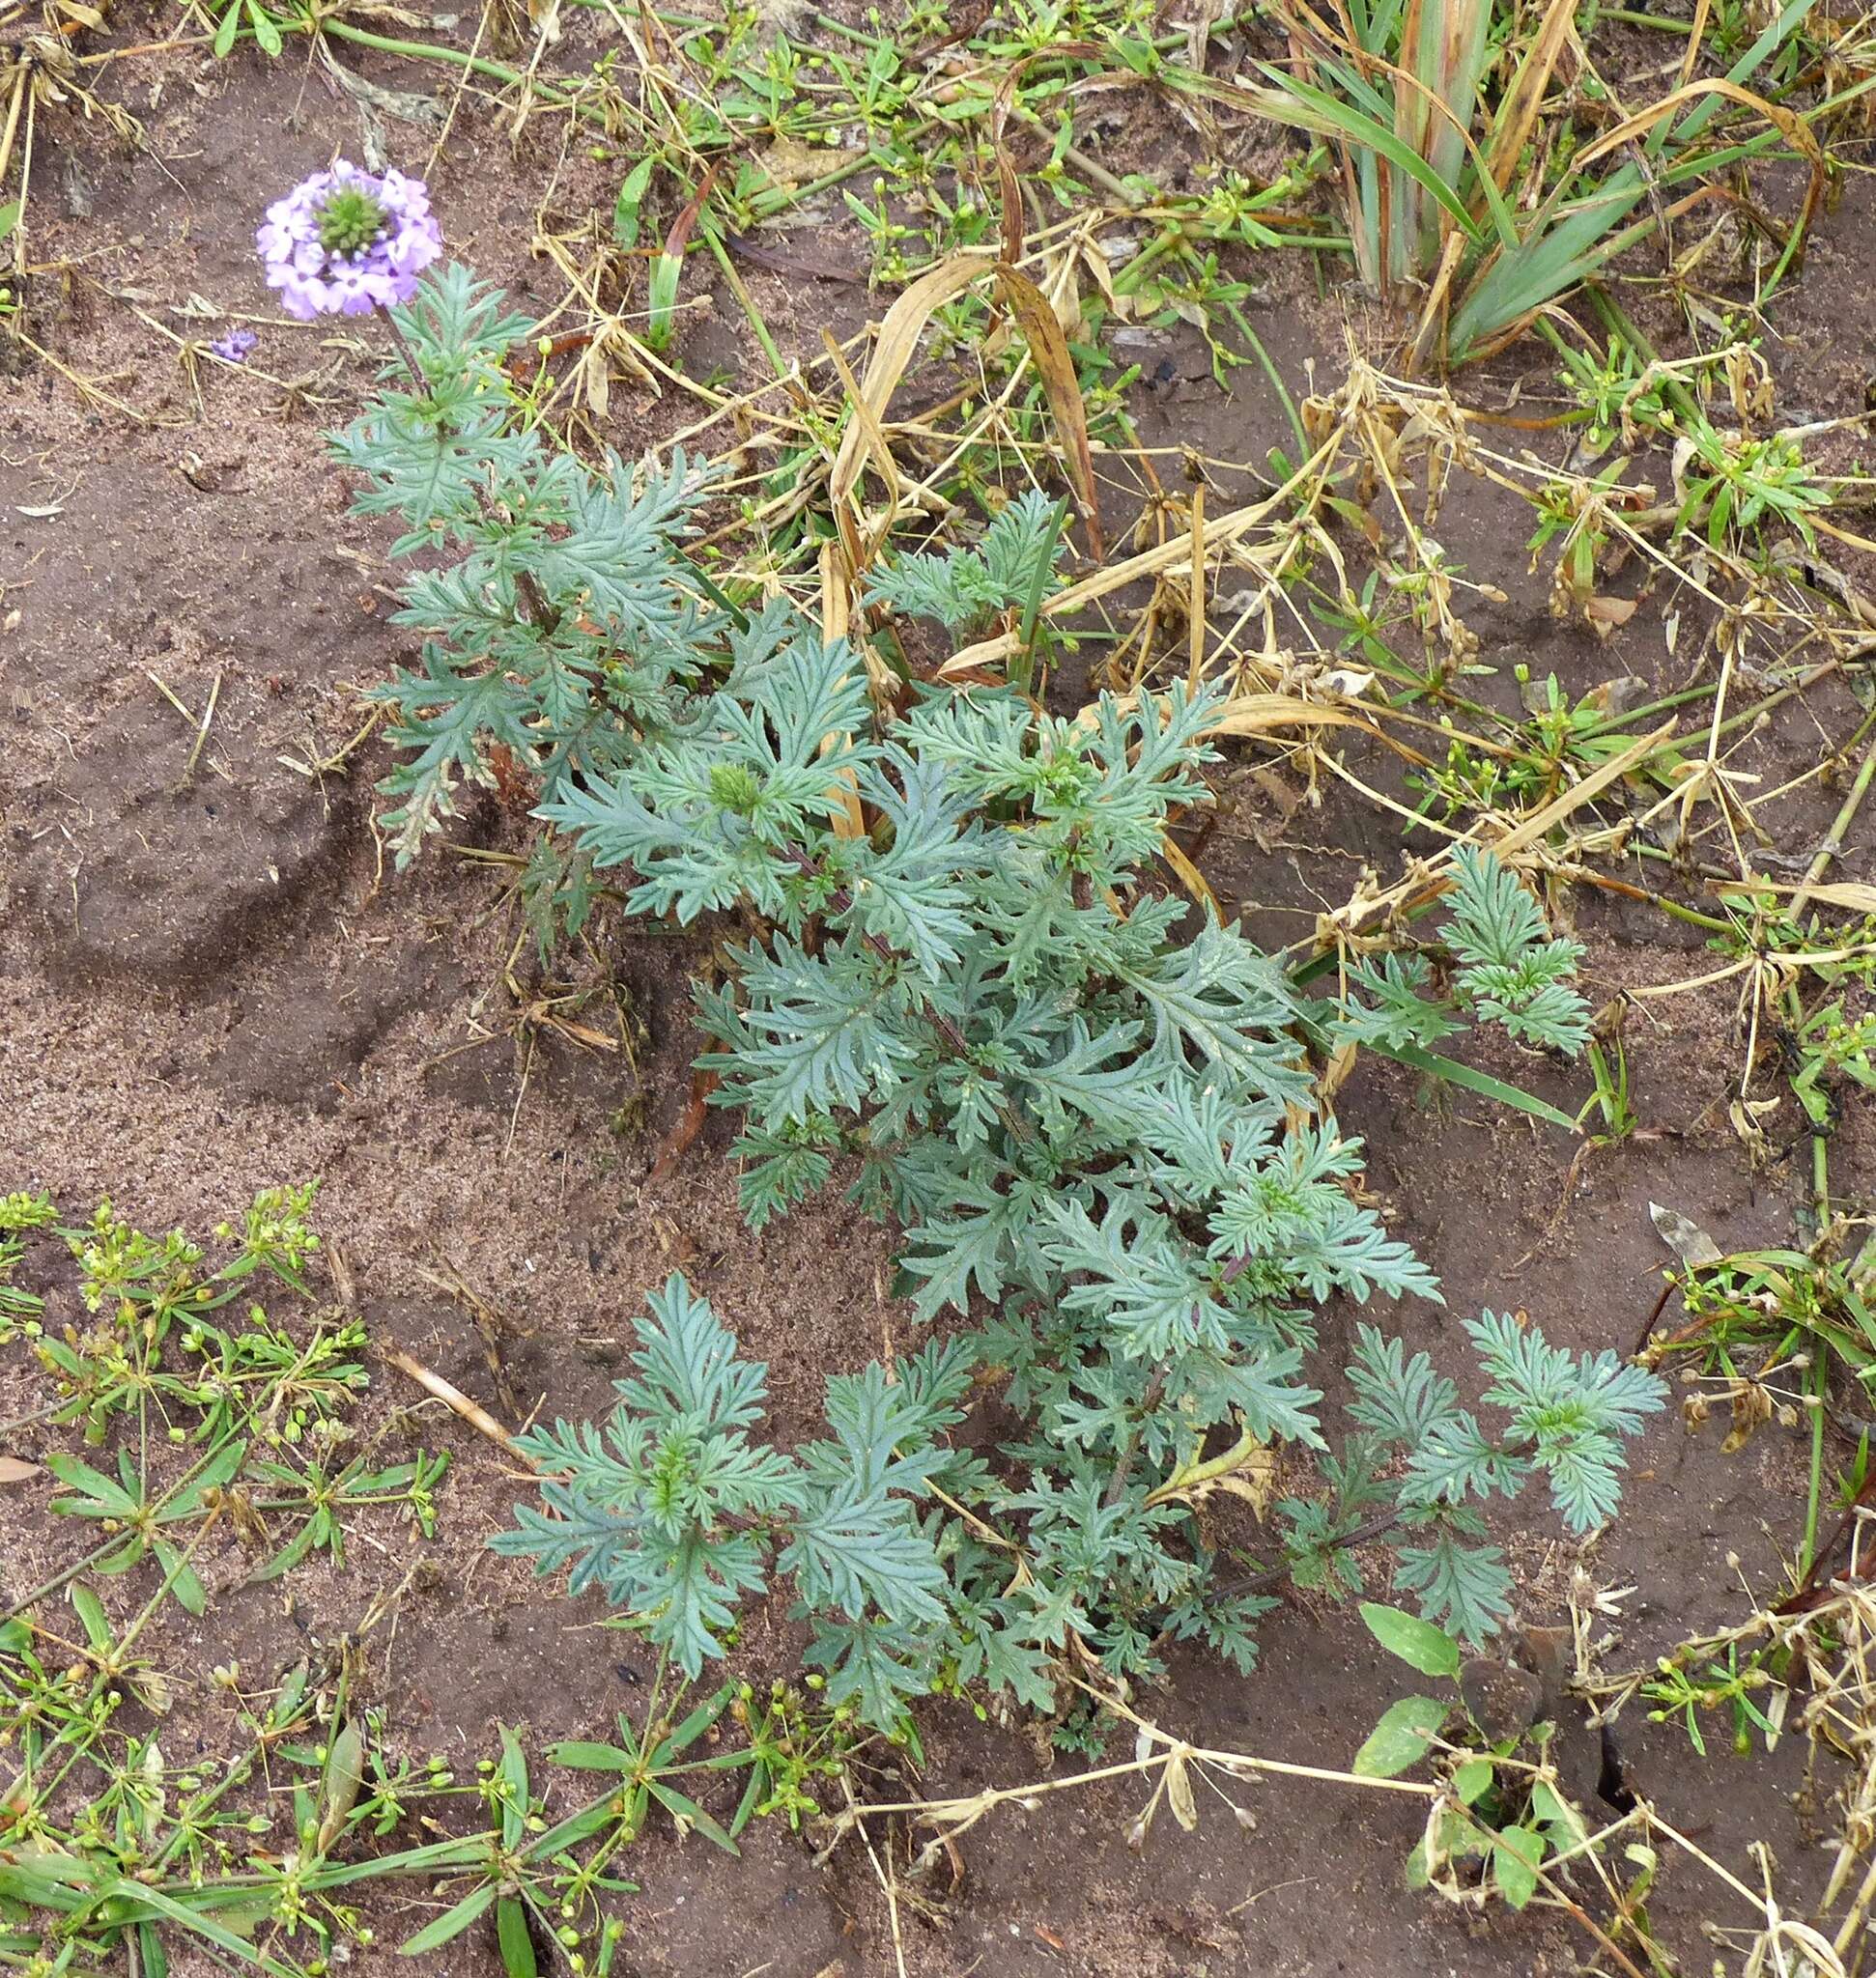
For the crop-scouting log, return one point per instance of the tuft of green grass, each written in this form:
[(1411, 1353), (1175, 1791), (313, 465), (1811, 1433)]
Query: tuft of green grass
[(1430, 157)]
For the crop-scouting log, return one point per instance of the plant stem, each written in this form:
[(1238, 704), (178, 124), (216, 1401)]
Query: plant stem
[(1833, 845), (431, 51), (1130, 1448), (1820, 1381), (404, 350), (1375, 1527), (1022, 671)]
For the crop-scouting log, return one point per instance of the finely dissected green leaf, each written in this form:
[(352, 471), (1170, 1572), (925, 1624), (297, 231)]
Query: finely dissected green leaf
[(1463, 1587), (1006, 1662), (964, 587), (1416, 1642), (959, 988), (1397, 1398), (874, 1665), (1214, 996), (1512, 969), (1402, 1739), (1399, 1011), (859, 1550)]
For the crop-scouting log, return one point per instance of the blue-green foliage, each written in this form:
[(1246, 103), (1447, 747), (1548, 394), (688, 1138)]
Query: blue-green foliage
[(1568, 1418), (965, 587), (561, 630), (673, 1511), (1511, 970), (1089, 1111)]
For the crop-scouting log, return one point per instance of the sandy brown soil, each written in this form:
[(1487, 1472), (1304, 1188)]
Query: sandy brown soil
[(211, 981)]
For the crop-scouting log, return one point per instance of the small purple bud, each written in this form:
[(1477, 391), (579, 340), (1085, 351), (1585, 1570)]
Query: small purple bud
[(234, 347)]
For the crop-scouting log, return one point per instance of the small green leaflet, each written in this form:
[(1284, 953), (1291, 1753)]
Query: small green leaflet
[(630, 201), (1402, 1739), (1417, 1643), (1516, 1856), (1472, 1780)]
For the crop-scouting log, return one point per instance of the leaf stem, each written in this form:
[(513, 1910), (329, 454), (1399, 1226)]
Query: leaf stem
[(1130, 1447)]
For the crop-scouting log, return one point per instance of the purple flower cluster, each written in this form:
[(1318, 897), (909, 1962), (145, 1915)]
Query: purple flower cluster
[(344, 243)]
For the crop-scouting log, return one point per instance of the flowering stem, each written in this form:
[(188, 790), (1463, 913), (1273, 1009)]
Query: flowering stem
[(404, 350)]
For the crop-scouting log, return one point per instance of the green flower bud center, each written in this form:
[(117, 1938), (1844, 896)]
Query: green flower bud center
[(349, 221), (734, 787)]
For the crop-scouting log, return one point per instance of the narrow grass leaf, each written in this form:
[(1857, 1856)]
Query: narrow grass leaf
[(512, 1938), (450, 1925), (1480, 1081)]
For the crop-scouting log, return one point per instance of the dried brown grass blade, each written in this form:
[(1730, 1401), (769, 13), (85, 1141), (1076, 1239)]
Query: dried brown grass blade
[(899, 332), (1695, 39), (1195, 608), (988, 654), (866, 422), (1847, 893), (1788, 124), (1048, 351), (1592, 786), (1190, 877), (682, 227), (837, 618), (1010, 191), (1269, 713), (1517, 114)]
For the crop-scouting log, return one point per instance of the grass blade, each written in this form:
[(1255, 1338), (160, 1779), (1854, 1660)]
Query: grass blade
[(1481, 1082)]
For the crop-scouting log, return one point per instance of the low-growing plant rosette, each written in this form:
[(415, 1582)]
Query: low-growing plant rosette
[(344, 243)]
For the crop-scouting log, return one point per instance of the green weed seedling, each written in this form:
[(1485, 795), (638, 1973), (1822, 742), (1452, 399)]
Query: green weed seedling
[(1502, 1813), (148, 1295), (1735, 485), (1511, 970), (110, 1848), (1723, 1686), (648, 1765), (252, 21), (1834, 1052), (252, 1410), (160, 1853)]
